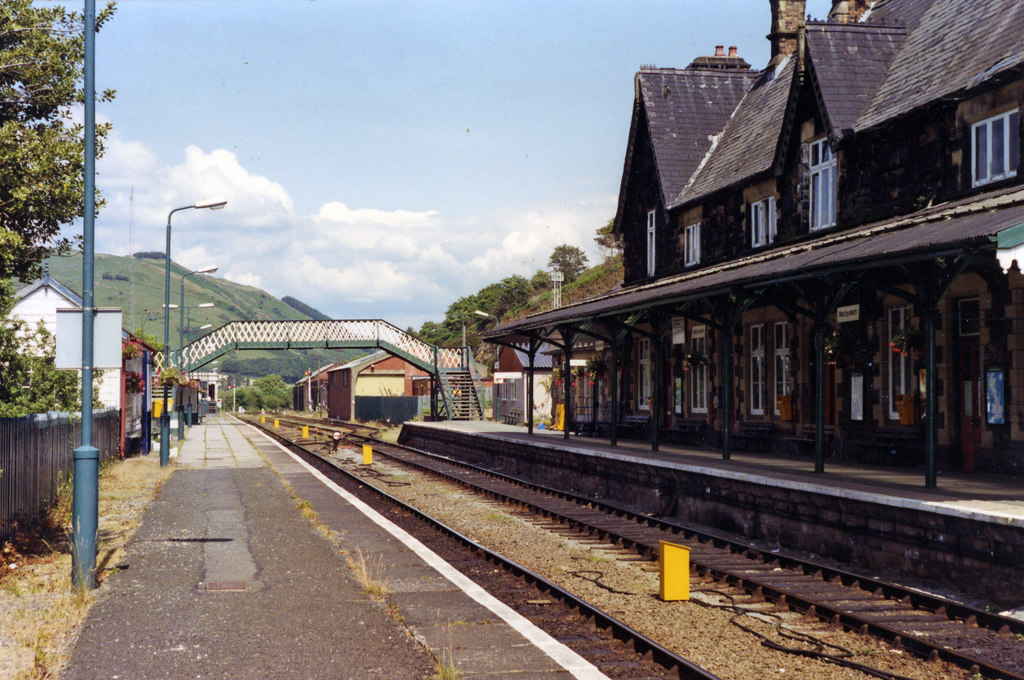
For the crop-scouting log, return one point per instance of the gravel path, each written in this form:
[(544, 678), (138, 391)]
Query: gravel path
[(732, 642)]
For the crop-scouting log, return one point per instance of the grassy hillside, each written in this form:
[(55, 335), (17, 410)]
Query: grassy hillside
[(136, 285), (594, 281)]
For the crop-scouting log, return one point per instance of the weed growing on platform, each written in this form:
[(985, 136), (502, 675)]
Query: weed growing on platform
[(371, 576), (445, 668), (39, 610)]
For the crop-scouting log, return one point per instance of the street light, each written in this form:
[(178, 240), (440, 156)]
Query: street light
[(181, 305), (487, 316), (165, 416)]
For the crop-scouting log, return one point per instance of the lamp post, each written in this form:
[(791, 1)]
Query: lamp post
[(181, 304), (487, 316), (165, 416)]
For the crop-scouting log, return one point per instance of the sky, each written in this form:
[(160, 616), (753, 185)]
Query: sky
[(383, 158)]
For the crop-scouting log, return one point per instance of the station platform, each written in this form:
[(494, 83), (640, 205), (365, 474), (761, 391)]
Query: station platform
[(225, 578), (966, 536), (973, 494)]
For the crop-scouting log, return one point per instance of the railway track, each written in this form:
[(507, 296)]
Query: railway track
[(980, 642)]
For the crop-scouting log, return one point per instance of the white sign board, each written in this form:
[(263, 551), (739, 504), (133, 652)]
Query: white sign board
[(678, 331), (577, 362), (501, 376), (106, 342), (848, 313), (556, 275)]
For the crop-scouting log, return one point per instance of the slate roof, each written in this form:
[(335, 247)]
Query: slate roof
[(747, 144), (684, 108), (48, 281), (541, 360), (957, 45), (944, 229), (848, 64)]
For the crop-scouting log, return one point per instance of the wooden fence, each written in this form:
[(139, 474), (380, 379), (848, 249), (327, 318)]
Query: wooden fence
[(37, 456)]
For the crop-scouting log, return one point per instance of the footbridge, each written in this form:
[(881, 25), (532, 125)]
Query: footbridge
[(456, 390)]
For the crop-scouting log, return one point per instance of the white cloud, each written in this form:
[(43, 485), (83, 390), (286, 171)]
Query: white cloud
[(401, 265)]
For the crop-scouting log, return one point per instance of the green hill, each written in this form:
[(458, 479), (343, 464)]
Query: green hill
[(136, 285)]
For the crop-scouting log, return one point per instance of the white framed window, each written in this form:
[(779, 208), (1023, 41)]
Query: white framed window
[(900, 366), (824, 189), (762, 222), (995, 148), (644, 361), (652, 232), (757, 370), (699, 370), (780, 379), (691, 244)]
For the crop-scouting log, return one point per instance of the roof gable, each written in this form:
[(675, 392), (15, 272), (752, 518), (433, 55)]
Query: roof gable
[(48, 281), (747, 145), (847, 63), (957, 45), (684, 109)]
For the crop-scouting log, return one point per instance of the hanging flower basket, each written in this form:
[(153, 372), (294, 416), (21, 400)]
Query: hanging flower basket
[(596, 367), (130, 349), (133, 383), (695, 358), (906, 341), (170, 377)]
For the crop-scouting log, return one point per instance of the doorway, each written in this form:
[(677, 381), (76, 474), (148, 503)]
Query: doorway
[(971, 395)]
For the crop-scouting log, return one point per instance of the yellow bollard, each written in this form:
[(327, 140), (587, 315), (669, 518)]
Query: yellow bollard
[(263, 420), (367, 454), (276, 424), (305, 431), (675, 571)]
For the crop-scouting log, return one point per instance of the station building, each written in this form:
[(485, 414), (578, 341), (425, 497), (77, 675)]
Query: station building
[(823, 255)]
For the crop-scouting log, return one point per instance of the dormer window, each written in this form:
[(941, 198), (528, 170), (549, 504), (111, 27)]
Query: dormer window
[(995, 148), (691, 245), (823, 185), (762, 222), (651, 239)]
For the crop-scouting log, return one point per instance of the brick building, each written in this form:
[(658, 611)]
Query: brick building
[(823, 255)]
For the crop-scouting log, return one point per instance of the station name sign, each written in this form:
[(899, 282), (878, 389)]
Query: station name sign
[(848, 313), (500, 377)]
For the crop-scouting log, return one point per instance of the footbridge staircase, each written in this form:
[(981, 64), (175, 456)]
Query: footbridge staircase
[(457, 393)]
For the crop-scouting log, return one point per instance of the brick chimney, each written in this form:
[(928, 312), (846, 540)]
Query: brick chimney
[(787, 18), (849, 11)]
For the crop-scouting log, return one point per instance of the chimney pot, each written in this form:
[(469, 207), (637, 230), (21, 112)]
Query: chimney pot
[(732, 51), (719, 50)]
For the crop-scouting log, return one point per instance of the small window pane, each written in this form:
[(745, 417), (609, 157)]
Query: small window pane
[(996, 154), (981, 153), (1013, 142)]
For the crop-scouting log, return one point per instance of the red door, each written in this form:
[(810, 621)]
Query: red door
[(971, 403)]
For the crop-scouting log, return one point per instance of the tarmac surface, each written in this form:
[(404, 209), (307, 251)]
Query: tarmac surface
[(226, 579)]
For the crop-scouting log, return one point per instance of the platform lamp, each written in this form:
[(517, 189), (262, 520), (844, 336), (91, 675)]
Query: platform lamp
[(485, 315), (165, 416)]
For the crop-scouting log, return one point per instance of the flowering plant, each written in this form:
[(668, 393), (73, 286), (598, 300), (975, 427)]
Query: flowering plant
[(171, 377), (131, 349), (133, 383), (596, 367), (906, 340)]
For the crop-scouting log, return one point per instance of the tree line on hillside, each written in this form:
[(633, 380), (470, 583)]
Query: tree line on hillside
[(512, 294)]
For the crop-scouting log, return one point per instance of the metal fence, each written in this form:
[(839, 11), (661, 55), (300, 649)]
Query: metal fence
[(390, 409), (37, 456)]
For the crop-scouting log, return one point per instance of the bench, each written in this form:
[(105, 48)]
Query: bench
[(893, 446), (686, 430), (752, 436), (512, 417), (634, 425), (803, 440)]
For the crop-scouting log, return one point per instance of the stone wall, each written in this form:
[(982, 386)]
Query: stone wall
[(900, 540)]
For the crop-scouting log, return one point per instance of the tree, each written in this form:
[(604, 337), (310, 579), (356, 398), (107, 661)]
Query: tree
[(570, 260), (41, 147), (608, 242), (272, 392), (29, 379)]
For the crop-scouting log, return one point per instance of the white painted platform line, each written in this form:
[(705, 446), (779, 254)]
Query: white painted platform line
[(562, 655)]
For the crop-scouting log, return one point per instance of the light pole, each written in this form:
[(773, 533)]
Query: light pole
[(487, 316), (165, 416), (181, 304)]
